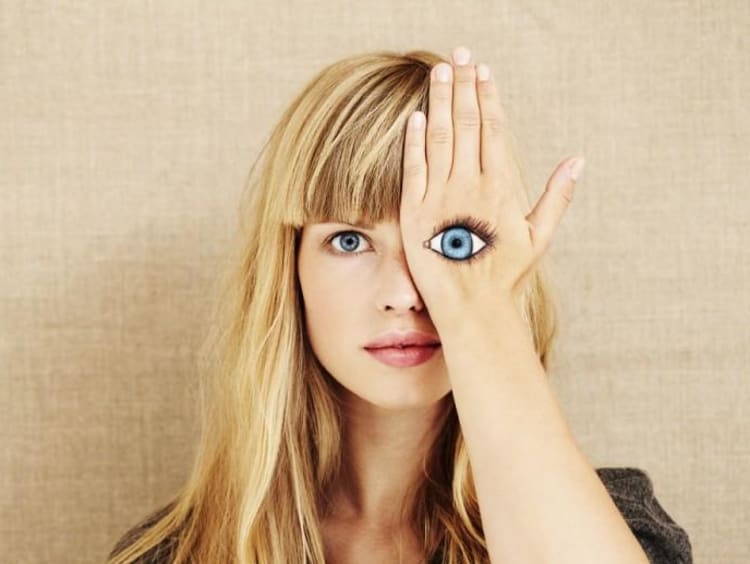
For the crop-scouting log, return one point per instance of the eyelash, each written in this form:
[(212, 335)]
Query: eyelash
[(477, 226), (330, 239)]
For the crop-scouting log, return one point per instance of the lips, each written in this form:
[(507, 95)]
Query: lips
[(401, 339), (404, 357)]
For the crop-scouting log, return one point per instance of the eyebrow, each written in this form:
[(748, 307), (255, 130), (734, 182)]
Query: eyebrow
[(361, 223)]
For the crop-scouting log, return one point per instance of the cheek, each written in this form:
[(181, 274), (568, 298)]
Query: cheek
[(331, 309), (334, 295), (328, 295)]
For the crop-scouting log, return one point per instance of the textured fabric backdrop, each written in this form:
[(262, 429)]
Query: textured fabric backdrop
[(127, 130)]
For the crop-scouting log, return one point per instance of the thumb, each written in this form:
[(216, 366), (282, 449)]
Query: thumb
[(549, 209)]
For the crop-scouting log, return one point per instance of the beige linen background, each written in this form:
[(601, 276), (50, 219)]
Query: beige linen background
[(127, 130)]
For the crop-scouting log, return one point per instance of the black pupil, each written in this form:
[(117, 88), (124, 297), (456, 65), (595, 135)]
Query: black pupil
[(351, 238)]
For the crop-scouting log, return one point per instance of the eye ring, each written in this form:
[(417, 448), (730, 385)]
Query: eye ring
[(459, 226), (458, 238)]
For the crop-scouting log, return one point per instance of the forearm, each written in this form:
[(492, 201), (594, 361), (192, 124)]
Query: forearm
[(540, 499)]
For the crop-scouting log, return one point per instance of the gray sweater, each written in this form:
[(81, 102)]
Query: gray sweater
[(663, 540)]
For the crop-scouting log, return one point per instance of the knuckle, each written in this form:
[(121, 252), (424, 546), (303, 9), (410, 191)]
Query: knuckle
[(440, 134), (413, 145), (441, 94), (465, 77), (413, 170), (488, 91), (500, 197), (467, 118), (568, 197), (493, 123)]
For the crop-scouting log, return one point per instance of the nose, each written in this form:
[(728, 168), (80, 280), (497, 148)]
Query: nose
[(397, 289)]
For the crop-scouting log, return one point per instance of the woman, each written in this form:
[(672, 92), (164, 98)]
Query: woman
[(322, 440)]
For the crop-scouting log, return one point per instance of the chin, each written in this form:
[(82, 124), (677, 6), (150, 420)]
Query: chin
[(406, 394)]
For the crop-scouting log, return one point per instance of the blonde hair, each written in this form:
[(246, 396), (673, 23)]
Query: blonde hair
[(270, 445)]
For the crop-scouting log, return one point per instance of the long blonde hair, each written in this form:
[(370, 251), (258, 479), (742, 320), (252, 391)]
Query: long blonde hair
[(270, 445)]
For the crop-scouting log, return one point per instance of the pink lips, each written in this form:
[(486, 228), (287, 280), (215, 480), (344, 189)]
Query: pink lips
[(396, 338), (403, 357)]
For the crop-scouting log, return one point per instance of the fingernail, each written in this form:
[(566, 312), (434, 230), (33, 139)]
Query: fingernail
[(461, 55), (575, 168), (483, 72), (443, 73)]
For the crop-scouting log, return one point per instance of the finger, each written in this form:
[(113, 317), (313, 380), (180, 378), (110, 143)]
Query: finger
[(440, 125), (495, 149), (414, 181), (548, 211), (466, 122)]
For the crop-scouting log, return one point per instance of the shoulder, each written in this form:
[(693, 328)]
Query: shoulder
[(160, 554), (663, 540)]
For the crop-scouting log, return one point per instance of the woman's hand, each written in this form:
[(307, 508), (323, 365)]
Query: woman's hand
[(466, 239)]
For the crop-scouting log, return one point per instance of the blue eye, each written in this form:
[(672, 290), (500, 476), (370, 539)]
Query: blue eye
[(456, 243), (349, 240)]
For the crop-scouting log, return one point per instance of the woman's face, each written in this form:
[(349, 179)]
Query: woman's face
[(352, 297)]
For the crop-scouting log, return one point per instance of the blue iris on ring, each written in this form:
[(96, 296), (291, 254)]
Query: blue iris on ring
[(456, 240)]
